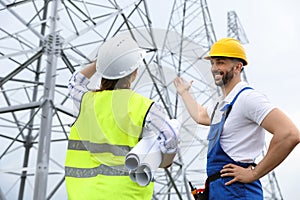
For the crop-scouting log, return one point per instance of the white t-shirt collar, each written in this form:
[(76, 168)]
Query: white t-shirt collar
[(238, 87)]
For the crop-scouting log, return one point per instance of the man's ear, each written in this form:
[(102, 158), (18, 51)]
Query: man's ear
[(239, 66)]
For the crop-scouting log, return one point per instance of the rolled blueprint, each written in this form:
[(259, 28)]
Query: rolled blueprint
[(146, 151), (144, 174), (132, 175), (143, 160), (152, 152)]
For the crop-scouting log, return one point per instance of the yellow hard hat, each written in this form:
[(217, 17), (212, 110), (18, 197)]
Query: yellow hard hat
[(228, 47)]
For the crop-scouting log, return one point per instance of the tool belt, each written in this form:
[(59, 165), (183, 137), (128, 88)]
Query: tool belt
[(203, 193)]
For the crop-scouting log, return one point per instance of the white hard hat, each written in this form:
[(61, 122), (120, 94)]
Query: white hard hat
[(119, 57)]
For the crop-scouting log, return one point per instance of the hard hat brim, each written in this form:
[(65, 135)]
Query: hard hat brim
[(215, 56), (207, 57)]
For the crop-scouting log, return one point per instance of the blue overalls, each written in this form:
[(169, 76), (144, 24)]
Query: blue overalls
[(217, 158)]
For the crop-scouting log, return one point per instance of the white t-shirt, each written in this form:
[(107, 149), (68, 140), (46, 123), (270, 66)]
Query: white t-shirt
[(243, 138)]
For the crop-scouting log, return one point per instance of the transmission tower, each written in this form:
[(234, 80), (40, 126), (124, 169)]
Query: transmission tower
[(189, 35), (43, 42), (236, 30)]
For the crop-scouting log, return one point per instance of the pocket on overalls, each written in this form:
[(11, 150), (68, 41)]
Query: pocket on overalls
[(218, 190), (213, 135), (213, 132)]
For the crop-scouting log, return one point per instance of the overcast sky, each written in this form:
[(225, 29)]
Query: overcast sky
[(273, 29)]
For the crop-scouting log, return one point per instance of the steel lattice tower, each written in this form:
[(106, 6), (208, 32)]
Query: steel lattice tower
[(236, 30), (43, 42), (191, 21)]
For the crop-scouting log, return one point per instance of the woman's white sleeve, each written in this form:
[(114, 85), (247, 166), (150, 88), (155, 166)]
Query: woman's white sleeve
[(166, 129), (77, 87)]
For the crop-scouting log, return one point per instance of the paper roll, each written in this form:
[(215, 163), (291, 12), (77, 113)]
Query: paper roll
[(132, 175), (132, 161), (147, 152), (143, 175), (147, 156)]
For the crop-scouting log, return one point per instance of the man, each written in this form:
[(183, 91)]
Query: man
[(237, 123)]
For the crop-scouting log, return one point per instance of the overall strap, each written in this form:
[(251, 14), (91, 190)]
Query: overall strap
[(227, 107), (236, 96)]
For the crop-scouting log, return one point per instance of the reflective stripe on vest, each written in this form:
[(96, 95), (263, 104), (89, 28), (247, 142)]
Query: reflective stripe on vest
[(92, 172), (117, 150)]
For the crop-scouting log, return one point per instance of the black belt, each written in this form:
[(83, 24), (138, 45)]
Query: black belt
[(214, 177), (205, 194), (218, 174)]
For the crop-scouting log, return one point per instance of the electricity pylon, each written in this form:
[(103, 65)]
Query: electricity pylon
[(48, 41), (191, 22)]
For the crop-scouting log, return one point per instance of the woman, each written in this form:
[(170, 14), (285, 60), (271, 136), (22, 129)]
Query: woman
[(110, 123)]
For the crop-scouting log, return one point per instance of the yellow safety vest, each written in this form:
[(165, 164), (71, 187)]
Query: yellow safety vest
[(108, 127)]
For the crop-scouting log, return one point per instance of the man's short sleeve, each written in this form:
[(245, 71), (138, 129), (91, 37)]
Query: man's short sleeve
[(257, 106)]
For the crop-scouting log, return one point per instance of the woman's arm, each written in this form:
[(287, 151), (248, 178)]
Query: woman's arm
[(78, 84), (158, 124), (89, 71)]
